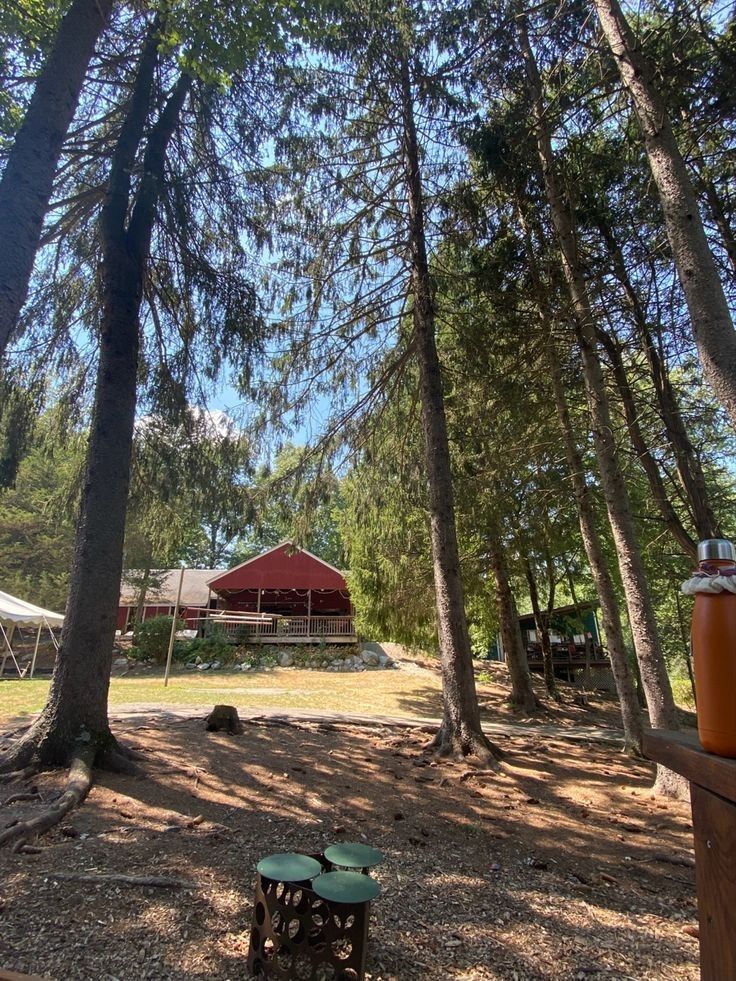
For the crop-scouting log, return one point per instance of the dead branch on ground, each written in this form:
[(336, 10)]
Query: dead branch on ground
[(104, 878)]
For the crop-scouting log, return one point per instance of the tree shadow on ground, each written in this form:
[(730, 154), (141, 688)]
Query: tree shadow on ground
[(542, 871)]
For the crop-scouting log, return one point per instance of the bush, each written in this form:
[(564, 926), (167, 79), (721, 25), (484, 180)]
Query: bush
[(151, 639), (256, 657), (210, 648), (683, 692)]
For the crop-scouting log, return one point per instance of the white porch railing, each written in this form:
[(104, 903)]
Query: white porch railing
[(283, 628)]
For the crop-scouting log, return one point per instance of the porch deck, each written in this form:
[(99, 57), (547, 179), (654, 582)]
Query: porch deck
[(566, 662), (271, 629)]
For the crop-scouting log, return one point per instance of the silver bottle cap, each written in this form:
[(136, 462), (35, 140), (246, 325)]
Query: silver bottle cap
[(716, 548)]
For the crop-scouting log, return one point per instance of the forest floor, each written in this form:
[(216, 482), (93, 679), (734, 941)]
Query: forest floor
[(561, 866)]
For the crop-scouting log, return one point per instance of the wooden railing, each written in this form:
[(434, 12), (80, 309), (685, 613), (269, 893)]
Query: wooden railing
[(285, 628), (561, 654)]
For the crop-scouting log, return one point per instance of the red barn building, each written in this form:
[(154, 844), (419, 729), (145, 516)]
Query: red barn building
[(160, 599), (285, 595)]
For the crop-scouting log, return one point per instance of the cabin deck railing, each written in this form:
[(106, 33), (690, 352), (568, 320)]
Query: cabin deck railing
[(329, 628), (562, 655)]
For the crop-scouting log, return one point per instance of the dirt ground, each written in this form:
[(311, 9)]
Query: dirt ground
[(561, 866)]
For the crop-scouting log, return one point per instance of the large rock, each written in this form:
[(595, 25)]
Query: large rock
[(285, 659), (370, 658)]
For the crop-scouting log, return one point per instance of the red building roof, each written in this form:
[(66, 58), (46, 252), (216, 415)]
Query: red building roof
[(283, 567)]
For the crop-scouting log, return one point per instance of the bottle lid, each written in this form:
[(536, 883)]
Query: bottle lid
[(716, 548)]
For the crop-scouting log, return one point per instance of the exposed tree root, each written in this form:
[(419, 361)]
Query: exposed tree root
[(18, 759), (30, 753), (687, 861), (77, 788), (526, 706), (21, 848), (25, 774), (127, 751), (459, 745), (471, 774), (118, 760), (17, 798)]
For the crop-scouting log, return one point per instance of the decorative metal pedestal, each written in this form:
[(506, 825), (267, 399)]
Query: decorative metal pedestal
[(312, 928)]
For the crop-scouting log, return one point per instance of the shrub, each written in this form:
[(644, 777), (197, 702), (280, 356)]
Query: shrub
[(257, 658), (210, 648), (151, 639)]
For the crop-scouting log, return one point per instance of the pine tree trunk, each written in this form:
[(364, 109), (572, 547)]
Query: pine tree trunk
[(543, 633), (77, 701), (689, 468), (720, 218), (648, 464), (709, 312), (610, 615), (143, 591), (27, 181), (688, 465), (78, 697), (522, 692), (633, 576), (461, 729)]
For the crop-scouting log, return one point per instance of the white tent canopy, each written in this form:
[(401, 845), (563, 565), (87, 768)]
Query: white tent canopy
[(14, 613), (22, 614)]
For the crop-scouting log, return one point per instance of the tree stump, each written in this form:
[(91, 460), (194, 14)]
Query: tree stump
[(224, 718)]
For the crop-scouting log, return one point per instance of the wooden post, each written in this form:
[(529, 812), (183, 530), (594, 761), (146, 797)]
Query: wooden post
[(713, 797), (205, 621), (35, 649), (258, 610), (173, 630), (309, 613)]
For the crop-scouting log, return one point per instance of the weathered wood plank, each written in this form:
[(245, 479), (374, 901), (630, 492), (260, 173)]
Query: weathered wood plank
[(681, 752), (714, 823)]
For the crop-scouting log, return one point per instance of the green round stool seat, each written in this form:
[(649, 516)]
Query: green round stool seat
[(346, 887), (353, 855), (289, 867)]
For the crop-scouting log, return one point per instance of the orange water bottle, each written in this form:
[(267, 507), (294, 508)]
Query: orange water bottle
[(714, 644)]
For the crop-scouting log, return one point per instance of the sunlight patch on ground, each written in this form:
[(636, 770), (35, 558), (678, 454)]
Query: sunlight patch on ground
[(395, 693)]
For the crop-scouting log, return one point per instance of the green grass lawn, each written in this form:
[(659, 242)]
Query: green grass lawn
[(398, 693)]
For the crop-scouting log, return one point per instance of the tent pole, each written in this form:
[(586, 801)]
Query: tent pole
[(173, 629), (9, 650), (35, 650)]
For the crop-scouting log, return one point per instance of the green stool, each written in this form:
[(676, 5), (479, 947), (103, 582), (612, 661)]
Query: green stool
[(353, 855), (308, 923)]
